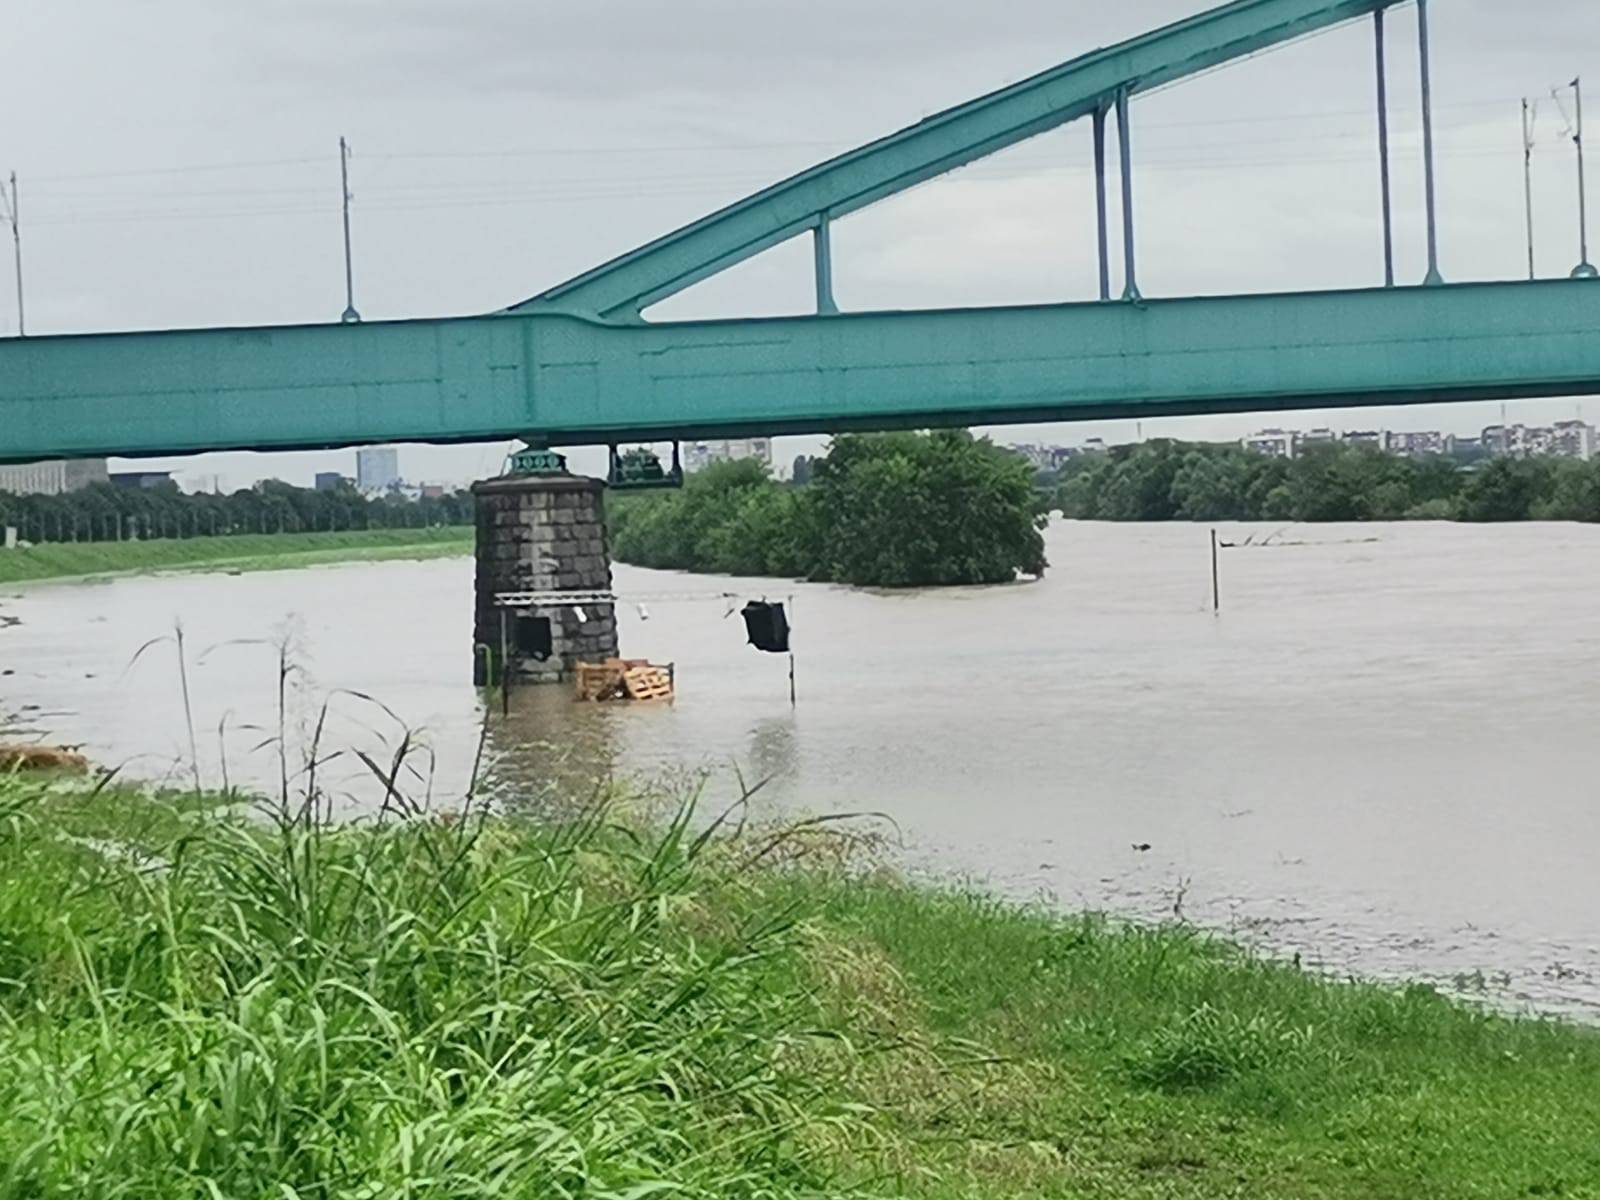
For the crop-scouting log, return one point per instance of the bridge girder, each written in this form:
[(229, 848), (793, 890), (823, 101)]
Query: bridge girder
[(576, 365), (576, 381)]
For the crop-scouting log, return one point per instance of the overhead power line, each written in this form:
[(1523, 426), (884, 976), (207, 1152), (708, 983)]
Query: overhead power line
[(838, 143), (633, 188)]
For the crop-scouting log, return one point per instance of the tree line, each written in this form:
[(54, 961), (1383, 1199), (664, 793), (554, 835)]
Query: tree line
[(1178, 481), (103, 512), (888, 510)]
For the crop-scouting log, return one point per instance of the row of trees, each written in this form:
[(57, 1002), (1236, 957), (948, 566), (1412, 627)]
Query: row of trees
[(105, 513), (889, 510), (1178, 481), (895, 510)]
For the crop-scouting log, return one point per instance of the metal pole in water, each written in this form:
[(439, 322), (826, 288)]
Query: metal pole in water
[(1433, 278), (350, 313), (505, 667), (1100, 198), (1216, 580), (1383, 152), (1125, 149)]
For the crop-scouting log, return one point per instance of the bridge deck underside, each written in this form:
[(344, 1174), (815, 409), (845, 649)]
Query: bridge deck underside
[(576, 381)]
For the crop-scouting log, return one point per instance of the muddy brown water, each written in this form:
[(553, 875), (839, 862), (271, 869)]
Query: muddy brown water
[(1380, 756)]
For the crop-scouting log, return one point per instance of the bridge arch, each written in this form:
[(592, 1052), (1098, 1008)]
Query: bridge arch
[(1089, 86)]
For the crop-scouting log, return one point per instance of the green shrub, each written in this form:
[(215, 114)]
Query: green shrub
[(892, 510)]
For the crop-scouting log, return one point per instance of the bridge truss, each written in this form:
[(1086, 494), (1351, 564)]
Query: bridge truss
[(579, 364)]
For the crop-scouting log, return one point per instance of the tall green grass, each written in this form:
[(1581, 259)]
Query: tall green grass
[(1163, 1062), (200, 997), (243, 552), (197, 1004)]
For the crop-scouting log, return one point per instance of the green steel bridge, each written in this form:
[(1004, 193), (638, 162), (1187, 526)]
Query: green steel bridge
[(578, 364)]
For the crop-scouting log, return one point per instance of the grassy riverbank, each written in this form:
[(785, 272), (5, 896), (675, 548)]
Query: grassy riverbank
[(193, 1004), (244, 552)]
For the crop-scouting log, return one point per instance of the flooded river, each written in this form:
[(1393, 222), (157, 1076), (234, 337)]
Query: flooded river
[(1378, 756)]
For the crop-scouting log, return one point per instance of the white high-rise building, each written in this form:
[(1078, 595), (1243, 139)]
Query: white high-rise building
[(53, 477), (699, 455), (377, 468), (1276, 443)]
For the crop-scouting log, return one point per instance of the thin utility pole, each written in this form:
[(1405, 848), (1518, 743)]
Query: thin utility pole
[(1429, 189), (350, 313), (1529, 115), (14, 216), (1585, 269)]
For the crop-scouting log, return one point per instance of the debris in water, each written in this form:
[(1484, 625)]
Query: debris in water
[(41, 758), (625, 679)]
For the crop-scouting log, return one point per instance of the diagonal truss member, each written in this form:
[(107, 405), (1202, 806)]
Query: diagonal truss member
[(1089, 86)]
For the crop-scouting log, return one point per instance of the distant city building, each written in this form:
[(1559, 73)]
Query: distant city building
[(1429, 441), (697, 456), (377, 468), (1045, 458), (140, 480), (431, 491), (53, 477), (1564, 439), (1318, 437), (330, 481), (1274, 443), (1038, 456), (1574, 439)]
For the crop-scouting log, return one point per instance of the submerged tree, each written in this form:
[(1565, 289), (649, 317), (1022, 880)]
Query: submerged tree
[(888, 510), (910, 510)]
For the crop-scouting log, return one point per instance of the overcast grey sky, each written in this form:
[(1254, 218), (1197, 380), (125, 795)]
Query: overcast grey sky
[(179, 162)]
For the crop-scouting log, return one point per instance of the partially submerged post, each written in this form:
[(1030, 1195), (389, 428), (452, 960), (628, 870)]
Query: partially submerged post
[(541, 539), (1216, 580)]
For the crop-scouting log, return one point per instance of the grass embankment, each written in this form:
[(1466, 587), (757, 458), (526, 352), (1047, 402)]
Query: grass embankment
[(194, 1004), (243, 552)]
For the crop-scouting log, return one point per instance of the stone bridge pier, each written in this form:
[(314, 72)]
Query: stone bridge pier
[(541, 536)]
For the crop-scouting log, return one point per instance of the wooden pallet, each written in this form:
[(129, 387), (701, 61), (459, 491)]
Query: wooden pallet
[(601, 681), (623, 679), (648, 683)]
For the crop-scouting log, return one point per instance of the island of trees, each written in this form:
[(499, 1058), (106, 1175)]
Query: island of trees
[(887, 510)]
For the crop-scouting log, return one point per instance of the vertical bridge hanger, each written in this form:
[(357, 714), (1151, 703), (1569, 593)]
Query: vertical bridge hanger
[(619, 291)]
